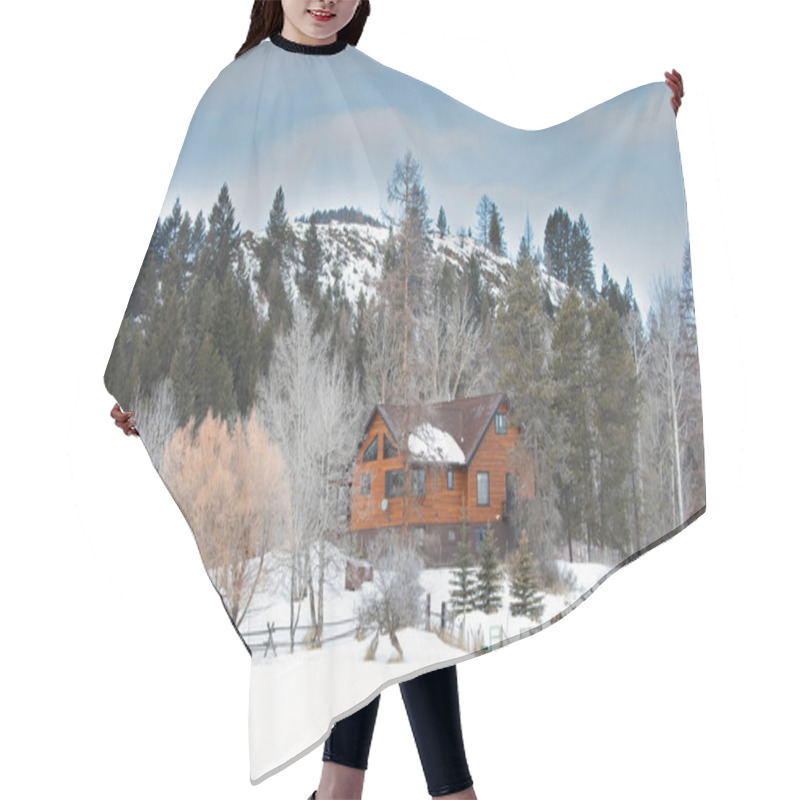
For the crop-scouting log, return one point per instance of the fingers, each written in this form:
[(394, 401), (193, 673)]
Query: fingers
[(124, 420), (675, 82)]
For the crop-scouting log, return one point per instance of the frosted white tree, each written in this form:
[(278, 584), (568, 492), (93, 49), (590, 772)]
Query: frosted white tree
[(156, 417), (452, 350), (307, 405), (383, 363), (395, 601), (668, 377)]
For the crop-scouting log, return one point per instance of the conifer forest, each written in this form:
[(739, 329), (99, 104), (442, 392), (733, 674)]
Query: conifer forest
[(254, 358)]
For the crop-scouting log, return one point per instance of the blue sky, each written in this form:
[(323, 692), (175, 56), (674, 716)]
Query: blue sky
[(330, 128)]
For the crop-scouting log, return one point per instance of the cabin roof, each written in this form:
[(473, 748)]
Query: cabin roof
[(447, 432)]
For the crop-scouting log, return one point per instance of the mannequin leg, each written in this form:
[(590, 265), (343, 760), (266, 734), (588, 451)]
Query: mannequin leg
[(431, 701), (346, 753)]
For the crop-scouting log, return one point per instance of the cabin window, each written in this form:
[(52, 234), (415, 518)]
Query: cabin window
[(449, 479), (451, 535), (483, 488), (394, 482), (389, 450), (371, 453), (500, 424), (365, 483)]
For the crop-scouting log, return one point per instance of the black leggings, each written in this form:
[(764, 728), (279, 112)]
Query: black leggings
[(431, 701)]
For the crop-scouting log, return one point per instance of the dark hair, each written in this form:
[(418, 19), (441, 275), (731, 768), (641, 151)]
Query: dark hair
[(266, 18)]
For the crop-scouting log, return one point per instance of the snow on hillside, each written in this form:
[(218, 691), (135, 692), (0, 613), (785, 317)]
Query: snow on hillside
[(353, 255)]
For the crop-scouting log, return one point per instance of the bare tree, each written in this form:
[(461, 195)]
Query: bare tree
[(452, 349), (395, 601), (668, 374), (156, 418), (230, 485), (307, 404), (384, 355)]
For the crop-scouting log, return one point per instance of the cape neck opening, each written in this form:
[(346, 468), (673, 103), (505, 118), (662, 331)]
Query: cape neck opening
[(308, 49)]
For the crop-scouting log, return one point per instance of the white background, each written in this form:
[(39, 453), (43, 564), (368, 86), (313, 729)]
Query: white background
[(121, 675)]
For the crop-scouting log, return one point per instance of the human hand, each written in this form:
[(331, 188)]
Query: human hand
[(675, 82), (124, 420)]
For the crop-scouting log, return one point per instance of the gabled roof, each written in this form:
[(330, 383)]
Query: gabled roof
[(447, 432)]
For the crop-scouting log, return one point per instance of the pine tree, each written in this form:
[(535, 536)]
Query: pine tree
[(614, 420), (214, 383), (611, 293), (415, 245), (571, 409), (488, 588), (628, 294), (496, 229), (441, 222), (557, 234), (463, 580), (484, 214), (526, 600), (526, 241), (308, 276), (274, 249), (580, 267), (221, 246), (522, 336)]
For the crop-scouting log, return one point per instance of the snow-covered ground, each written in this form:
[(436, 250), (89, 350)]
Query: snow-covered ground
[(270, 605), (312, 688)]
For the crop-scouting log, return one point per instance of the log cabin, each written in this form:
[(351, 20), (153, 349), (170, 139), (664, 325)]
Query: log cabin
[(465, 474)]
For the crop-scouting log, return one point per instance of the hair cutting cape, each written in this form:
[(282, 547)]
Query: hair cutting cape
[(419, 381)]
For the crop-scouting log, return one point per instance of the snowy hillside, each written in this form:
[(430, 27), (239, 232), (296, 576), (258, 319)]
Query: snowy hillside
[(353, 256)]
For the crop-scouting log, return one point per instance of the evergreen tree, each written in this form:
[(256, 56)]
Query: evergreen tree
[(463, 578), (526, 241), (496, 229), (404, 292), (489, 579), (614, 420), (441, 222), (522, 338), (524, 250), (308, 276), (221, 246), (526, 600), (274, 250), (182, 372), (628, 294), (557, 235), (580, 267), (571, 410), (484, 214), (159, 344), (214, 383), (146, 281)]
